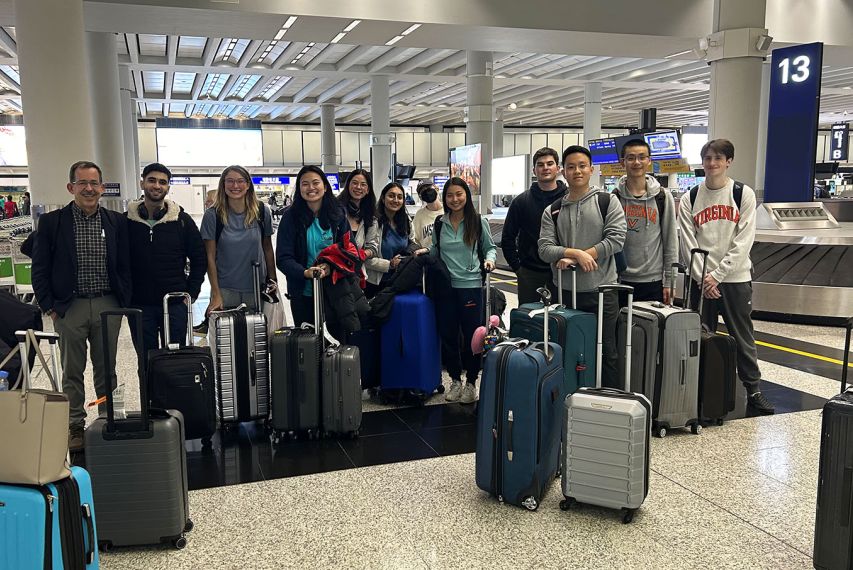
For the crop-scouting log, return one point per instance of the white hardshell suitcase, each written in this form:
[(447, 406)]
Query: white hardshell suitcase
[(606, 439)]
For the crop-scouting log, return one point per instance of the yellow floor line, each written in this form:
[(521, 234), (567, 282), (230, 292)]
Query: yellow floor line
[(800, 352)]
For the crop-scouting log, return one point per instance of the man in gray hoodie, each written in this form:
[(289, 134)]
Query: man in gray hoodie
[(586, 228), (651, 245)]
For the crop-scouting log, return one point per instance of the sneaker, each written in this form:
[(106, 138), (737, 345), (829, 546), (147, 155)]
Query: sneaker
[(201, 328), (760, 404), (455, 392), (365, 394), (75, 438), (469, 394)]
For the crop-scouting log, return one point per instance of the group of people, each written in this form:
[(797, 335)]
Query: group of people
[(87, 259), (553, 226), (10, 209)]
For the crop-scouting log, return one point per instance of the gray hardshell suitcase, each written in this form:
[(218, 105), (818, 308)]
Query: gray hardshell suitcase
[(138, 467), (665, 361), (239, 345), (606, 437)]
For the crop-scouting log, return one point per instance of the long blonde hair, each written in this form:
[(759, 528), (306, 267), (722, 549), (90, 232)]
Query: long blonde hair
[(253, 207)]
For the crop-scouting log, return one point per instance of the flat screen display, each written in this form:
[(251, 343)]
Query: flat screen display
[(691, 147), (333, 180), (439, 181), (510, 175), (663, 144), (466, 162), (603, 151), (209, 147), (13, 146)]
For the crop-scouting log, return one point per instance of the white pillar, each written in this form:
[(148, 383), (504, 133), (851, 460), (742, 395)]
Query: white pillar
[(130, 133), (480, 118), (498, 139), (381, 138), (107, 121), (328, 151), (735, 98), (592, 121), (761, 152), (55, 93)]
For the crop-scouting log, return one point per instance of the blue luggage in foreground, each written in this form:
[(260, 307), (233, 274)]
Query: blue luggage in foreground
[(411, 358), (518, 424), (573, 330), (46, 527)]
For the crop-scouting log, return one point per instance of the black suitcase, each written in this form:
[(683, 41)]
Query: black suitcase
[(833, 533), (138, 466), (182, 378), (717, 361), (295, 371)]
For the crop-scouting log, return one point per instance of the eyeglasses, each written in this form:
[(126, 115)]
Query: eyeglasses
[(359, 184), (85, 183), (636, 158), (235, 182)]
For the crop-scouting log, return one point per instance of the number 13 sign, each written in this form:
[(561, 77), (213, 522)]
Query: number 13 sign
[(792, 123)]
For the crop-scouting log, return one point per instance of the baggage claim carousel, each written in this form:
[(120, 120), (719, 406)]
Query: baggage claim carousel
[(802, 261)]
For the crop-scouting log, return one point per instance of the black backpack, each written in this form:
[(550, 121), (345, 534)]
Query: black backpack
[(737, 194)]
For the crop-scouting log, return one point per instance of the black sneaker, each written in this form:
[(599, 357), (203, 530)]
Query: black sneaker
[(75, 438), (760, 404), (201, 328)]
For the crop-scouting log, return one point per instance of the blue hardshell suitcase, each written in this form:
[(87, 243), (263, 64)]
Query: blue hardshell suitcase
[(52, 526), (518, 420), (573, 330), (411, 358)]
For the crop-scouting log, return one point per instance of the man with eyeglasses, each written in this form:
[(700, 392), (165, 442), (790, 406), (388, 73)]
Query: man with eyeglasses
[(651, 245), (519, 240), (81, 267), (164, 239)]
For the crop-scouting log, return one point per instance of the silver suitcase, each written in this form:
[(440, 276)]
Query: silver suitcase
[(606, 435), (240, 349)]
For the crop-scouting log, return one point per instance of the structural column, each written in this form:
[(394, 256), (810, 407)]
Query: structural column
[(736, 81), (107, 120), (130, 133), (328, 151), (592, 120), (55, 92), (381, 138), (761, 151), (498, 139), (480, 99)]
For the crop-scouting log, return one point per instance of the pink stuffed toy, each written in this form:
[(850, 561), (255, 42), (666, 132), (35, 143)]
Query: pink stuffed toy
[(484, 338)]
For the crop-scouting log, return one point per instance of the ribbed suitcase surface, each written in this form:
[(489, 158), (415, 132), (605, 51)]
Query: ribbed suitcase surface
[(833, 541), (242, 366), (341, 390), (573, 330), (183, 379), (518, 422), (49, 527), (606, 448), (139, 482), (295, 368)]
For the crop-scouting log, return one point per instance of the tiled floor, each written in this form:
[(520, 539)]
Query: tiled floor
[(403, 494)]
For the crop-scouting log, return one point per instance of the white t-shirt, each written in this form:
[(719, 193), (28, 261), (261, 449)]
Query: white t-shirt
[(422, 225)]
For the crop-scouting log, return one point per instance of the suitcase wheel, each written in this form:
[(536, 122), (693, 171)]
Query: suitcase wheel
[(696, 428), (180, 543), (567, 503), (105, 546), (719, 421), (189, 526), (206, 442), (627, 515), (660, 431), (530, 503), (440, 389)]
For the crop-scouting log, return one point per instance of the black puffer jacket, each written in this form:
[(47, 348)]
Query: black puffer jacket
[(345, 305), (159, 254)]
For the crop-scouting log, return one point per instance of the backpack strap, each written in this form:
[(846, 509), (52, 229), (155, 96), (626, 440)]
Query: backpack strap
[(436, 230), (737, 193), (603, 204), (556, 206), (693, 193)]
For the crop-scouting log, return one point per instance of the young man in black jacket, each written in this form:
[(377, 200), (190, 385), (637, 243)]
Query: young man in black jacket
[(163, 238), (80, 269), (520, 237)]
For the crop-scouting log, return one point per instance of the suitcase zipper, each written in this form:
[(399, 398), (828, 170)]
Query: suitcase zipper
[(48, 527), (497, 463)]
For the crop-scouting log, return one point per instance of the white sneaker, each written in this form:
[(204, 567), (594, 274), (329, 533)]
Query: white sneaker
[(455, 391), (365, 394), (469, 394)]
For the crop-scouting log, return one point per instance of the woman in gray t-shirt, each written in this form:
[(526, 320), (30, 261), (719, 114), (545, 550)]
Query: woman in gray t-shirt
[(237, 232)]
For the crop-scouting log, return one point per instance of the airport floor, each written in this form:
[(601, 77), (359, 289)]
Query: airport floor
[(403, 494)]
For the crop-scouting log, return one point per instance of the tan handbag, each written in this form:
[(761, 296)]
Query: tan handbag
[(33, 423)]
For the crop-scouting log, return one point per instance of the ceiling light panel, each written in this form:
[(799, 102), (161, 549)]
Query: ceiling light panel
[(150, 44), (183, 82), (191, 46), (411, 29), (393, 40)]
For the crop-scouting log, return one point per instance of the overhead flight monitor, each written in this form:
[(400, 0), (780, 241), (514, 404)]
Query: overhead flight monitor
[(663, 144)]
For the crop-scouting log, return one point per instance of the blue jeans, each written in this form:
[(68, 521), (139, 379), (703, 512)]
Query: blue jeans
[(152, 326), (459, 312)]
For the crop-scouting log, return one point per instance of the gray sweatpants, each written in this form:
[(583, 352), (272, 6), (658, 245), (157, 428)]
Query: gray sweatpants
[(735, 304), (81, 325)]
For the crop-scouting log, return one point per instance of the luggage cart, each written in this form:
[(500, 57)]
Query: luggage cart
[(22, 269)]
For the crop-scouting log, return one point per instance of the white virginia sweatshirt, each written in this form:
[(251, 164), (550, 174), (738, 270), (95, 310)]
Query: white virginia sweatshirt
[(715, 224)]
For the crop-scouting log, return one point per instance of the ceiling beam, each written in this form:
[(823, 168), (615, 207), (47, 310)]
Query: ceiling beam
[(450, 62), (350, 58), (422, 59), (286, 56), (318, 59), (229, 85), (329, 93), (8, 43), (249, 53), (305, 91), (384, 59)]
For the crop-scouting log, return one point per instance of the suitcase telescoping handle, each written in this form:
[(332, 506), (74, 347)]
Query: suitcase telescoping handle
[(673, 282), (574, 269), (134, 319), (689, 277), (189, 301), (256, 285), (488, 300), (318, 305), (849, 327), (600, 334), (546, 306)]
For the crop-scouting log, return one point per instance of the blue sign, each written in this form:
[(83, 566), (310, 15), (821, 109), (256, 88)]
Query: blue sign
[(179, 181), (838, 142), (603, 151), (333, 180), (440, 181), (112, 189), (792, 123), (282, 180)]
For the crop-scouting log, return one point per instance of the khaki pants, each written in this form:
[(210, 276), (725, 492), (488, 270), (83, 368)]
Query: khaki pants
[(82, 324)]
